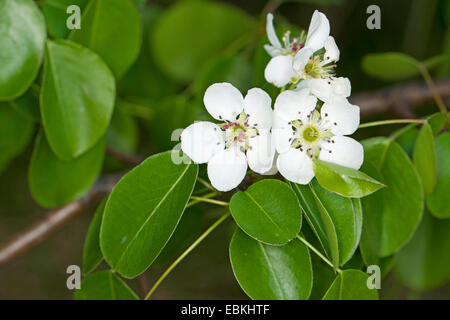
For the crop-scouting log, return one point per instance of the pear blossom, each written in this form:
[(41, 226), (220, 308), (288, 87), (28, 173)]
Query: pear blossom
[(242, 139), (301, 133)]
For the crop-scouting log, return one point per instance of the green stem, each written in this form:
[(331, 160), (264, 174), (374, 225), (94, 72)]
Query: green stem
[(437, 98), (213, 201), (317, 252), (206, 184), (185, 253), (209, 195), (394, 121)]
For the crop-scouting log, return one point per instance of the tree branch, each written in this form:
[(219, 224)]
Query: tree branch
[(398, 100), (55, 220)]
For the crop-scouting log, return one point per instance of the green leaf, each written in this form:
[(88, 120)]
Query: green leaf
[(15, 134), (123, 133), (55, 182), (28, 104), (423, 263), (390, 66), (145, 78), (436, 61), (424, 158), (391, 215), (351, 285), (437, 201), (77, 98), (335, 220), (92, 255), (112, 29), (268, 211), (22, 40), (192, 32), (268, 272), (229, 68), (104, 286), (55, 12), (345, 181), (143, 211)]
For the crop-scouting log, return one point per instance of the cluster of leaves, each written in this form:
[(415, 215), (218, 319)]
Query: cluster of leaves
[(81, 86)]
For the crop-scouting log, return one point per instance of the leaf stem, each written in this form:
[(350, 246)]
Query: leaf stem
[(209, 195), (437, 98), (213, 201), (206, 184), (393, 121), (317, 252), (185, 253)]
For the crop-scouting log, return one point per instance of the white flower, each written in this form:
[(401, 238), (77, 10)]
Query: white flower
[(243, 138), (279, 71), (329, 89), (301, 133)]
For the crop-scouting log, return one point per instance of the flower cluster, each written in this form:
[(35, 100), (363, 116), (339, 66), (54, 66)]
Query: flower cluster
[(311, 119)]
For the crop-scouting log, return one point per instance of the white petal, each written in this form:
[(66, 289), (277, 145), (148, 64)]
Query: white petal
[(321, 88), (271, 34), (293, 105), (227, 169), (341, 87), (257, 104), (261, 153), (273, 51), (295, 166), (282, 132), (318, 32), (345, 151), (342, 116), (279, 71), (201, 140), (223, 101), (301, 58), (331, 50)]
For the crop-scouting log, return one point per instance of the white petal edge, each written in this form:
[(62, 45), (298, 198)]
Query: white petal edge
[(201, 140), (293, 105), (279, 71), (261, 153), (318, 31), (227, 168), (345, 151), (223, 101), (258, 105), (295, 166), (332, 52), (342, 116), (271, 34), (301, 59)]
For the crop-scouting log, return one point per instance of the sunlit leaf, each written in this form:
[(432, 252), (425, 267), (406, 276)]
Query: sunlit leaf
[(351, 285), (424, 158), (104, 286)]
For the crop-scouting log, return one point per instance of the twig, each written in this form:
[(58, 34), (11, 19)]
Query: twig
[(400, 99), (55, 220)]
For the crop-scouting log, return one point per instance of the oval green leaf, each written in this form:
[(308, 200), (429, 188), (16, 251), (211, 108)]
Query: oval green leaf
[(424, 158), (335, 220), (112, 29), (437, 201), (192, 32), (391, 215), (55, 182), (351, 285), (268, 211), (55, 12), (92, 255), (15, 134), (423, 264), (77, 98), (143, 211), (345, 181), (390, 66), (104, 286), (22, 41), (268, 272)]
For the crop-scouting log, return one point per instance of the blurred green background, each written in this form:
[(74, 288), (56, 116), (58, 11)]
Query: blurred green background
[(163, 91)]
